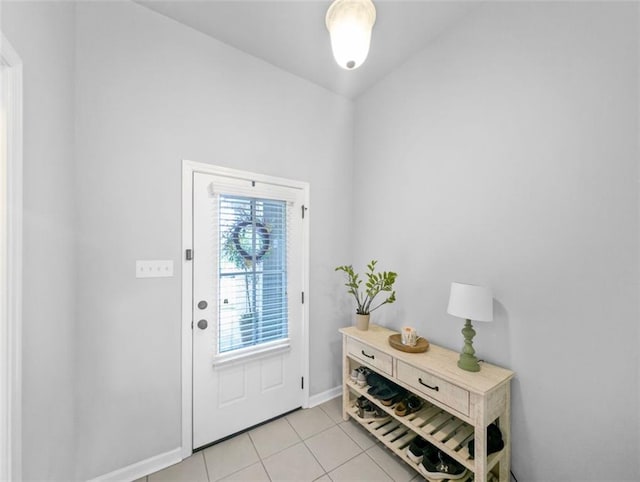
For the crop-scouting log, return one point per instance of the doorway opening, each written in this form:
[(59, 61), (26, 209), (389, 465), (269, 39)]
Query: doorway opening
[(10, 261)]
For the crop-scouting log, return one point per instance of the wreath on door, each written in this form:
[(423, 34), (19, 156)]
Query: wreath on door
[(239, 233)]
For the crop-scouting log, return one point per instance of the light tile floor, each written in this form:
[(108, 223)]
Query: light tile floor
[(307, 445)]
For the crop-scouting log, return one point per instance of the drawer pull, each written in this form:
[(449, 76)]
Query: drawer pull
[(436, 388), (368, 356)]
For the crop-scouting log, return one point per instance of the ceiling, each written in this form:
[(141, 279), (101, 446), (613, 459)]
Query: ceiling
[(291, 34)]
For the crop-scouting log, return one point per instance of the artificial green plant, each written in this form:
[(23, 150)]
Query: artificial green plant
[(376, 283)]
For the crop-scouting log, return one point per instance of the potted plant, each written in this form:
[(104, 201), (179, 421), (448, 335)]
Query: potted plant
[(375, 284)]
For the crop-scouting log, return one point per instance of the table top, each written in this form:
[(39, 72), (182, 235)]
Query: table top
[(441, 361)]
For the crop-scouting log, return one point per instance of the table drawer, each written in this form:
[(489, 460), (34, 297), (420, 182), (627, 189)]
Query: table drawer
[(434, 387), (371, 356)]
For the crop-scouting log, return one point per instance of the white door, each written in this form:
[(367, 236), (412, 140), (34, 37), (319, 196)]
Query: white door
[(247, 304)]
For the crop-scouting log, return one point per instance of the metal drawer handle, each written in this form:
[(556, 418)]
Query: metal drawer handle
[(436, 388), (368, 356)]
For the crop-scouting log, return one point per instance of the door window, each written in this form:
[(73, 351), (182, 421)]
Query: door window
[(252, 274)]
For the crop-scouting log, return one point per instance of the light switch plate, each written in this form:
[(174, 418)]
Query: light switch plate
[(154, 268)]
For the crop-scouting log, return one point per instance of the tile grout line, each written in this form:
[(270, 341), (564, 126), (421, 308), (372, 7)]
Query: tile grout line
[(346, 462), (304, 441), (282, 449), (366, 452), (264, 467), (317, 433), (315, 458), (380, 466), (206, 468), (394, 456), (355, 441), (310, 451), (327, 413), (326, 472)]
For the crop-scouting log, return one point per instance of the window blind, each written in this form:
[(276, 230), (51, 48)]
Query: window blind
[(252, 277)]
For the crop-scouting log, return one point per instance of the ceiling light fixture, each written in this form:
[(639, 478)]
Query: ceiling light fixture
[(349, 23)]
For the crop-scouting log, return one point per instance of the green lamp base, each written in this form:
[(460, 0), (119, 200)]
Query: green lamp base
[(468, 360)]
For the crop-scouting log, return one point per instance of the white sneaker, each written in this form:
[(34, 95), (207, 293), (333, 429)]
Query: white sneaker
[(362, 380)]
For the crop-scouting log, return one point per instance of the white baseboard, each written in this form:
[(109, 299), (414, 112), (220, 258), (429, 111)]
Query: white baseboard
[(320, 398), (142, 468), (162, 461)]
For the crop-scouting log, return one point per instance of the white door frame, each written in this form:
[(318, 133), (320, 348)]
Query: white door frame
[(188, 168), (11, 316)]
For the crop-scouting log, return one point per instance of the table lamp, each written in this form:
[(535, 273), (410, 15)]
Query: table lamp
[(471, 303)]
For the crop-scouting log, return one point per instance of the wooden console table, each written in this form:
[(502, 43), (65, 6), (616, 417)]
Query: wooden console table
[(459, 405)]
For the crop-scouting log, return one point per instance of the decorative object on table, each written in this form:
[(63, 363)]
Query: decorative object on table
[(470, 302), (349, 23), (376, 283), (409, 336), (422, 344)]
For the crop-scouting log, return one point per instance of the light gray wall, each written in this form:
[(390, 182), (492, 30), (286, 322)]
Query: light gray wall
[(151, 92), (507, 155), (43, 36)]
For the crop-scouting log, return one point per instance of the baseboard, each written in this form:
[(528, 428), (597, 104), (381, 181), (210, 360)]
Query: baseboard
[(320, 398), (142, 468), (162, 461)]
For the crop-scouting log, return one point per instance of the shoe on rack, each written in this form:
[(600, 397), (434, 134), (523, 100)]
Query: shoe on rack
[(391, 396), (354, 375), (494, 441), (437, 465), (408, 405), (374, 380), (415, 451), (375, 414), (362, 380), (364, 406)]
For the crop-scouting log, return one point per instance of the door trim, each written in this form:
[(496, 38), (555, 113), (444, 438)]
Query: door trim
[(188, 168), (11, 317)]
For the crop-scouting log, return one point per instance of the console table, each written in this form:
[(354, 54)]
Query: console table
[(458, 405)]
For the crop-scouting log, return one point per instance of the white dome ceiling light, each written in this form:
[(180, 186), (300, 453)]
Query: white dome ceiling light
[(349, 23)]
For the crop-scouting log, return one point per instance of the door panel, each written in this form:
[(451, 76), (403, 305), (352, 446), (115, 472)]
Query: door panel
[(247, 269)]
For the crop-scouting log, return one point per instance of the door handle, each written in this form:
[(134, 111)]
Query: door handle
[(202, 324)]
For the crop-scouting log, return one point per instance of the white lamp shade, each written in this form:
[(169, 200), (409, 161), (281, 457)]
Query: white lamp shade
[(349, 23), (471, 302)]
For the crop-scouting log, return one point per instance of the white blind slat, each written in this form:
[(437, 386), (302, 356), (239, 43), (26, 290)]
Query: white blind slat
[(252, 277)]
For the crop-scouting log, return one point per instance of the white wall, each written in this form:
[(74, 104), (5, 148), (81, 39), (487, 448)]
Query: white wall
[(506, 154), (151, 92), (43, 36)]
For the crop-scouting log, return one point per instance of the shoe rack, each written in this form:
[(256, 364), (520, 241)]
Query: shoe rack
[(458, 405)]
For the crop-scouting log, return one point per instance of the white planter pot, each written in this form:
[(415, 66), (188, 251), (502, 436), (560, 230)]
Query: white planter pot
[(362, 322)]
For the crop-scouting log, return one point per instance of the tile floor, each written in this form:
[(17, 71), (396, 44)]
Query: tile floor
[(307, 445)]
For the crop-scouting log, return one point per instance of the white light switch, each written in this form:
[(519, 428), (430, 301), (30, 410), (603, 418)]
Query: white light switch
[(154, 268)]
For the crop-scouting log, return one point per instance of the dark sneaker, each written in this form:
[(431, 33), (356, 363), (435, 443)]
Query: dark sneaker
[(415, 451), (437, 465), (494, 441)]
